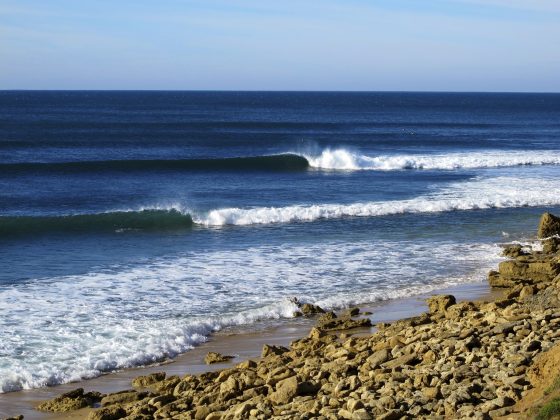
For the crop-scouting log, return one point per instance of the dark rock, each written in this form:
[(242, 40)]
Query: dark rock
[(351, 312), (551, 245), (310, 309), (513, 251), (549, 225)]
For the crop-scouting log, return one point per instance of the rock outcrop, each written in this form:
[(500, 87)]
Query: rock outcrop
[(70, 401), (549, 225), (213, 357)]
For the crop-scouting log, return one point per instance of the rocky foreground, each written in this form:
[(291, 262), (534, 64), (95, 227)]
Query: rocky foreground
[(458, 360)]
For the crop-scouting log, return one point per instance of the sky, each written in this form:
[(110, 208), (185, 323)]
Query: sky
[(375, 45)]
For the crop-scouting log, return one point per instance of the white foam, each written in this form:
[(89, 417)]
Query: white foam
[(479, 193), (64, 329), (343, 159)]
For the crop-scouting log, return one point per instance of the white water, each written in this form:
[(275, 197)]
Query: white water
[(343, 159), (478, 193), (57, 330)]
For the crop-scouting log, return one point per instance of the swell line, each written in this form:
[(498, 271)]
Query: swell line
[(282, 162), (327, 159), (151, 219)]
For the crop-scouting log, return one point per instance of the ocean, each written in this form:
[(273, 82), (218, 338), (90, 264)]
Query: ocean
[(133, 225)]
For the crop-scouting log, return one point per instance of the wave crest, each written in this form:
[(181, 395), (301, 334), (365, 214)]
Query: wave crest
[(342, 159), (499, 192)]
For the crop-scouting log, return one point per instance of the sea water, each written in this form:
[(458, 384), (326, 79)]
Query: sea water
[(133, 225)]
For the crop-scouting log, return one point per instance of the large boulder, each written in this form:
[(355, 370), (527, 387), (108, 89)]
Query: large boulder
[(532, 272), (70, 401), (440, 303), (147, 380), (291, 387), (548, 226)]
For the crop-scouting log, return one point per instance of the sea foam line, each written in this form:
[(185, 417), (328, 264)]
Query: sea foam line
[(69, 328)]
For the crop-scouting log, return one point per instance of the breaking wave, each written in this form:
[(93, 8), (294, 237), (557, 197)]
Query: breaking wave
[(477, 194), (331, 159), (343, 159), (499, 192)]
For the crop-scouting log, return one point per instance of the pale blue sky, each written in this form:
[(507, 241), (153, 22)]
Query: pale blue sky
[(435, 45)]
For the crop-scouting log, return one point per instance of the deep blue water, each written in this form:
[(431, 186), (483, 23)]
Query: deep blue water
[(128, 234)]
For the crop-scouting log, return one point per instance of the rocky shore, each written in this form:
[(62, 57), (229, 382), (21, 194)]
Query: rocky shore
[(458, 360)]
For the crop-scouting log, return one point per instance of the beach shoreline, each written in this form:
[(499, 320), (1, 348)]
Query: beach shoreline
[(488, 356), (237, 341)]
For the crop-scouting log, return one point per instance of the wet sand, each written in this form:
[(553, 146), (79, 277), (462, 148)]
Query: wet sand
[(243, 345)]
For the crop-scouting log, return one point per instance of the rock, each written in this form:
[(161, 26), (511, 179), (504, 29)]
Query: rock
[(330, 322), (549, 225), (122, 397), (551, 245), (526, 291), (214, 357), (351, 312), (513, 251), (407, 359), (70, 401), (378, 358), (144, 381), (361, 414), (344, 414), (247, 364), (269, 350), (230, 386), (497, 280), (440, 303), (316, 333), (107, 413), (391, 415), (386, 402), (533, 271), (167, 385), (354, 405), (431, 393), (291, 387), (310, 309)]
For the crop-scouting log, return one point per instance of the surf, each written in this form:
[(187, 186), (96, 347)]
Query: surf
[(343, 159)]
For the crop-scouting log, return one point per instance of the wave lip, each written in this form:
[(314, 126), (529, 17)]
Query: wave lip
[(280, 162), (149, 219), (342, 159)]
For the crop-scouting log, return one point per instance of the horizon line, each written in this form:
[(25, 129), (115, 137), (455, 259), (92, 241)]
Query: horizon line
[(282, 91)]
